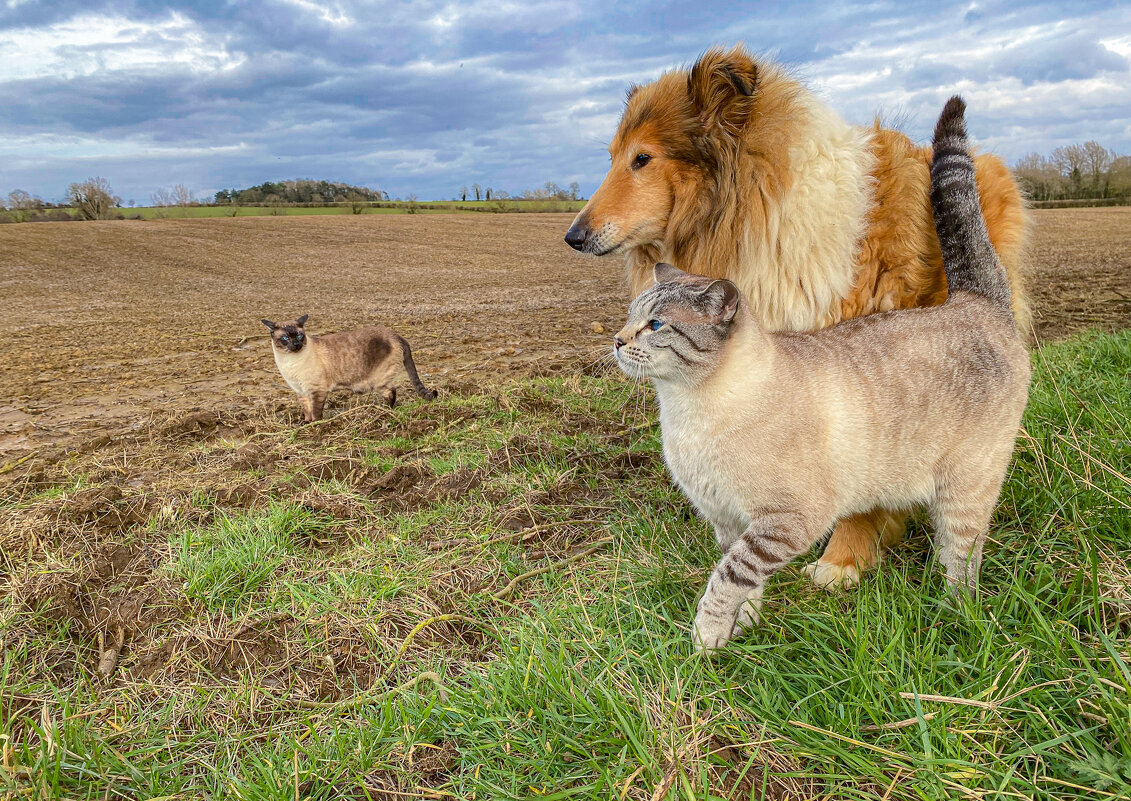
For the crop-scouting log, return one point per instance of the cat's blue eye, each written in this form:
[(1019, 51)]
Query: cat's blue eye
[(655, 325)]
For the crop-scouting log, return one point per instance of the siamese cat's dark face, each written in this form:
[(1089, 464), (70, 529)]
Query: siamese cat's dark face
[(676, 329), (288, 336)]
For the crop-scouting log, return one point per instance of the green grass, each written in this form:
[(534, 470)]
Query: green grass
[(583, 684)]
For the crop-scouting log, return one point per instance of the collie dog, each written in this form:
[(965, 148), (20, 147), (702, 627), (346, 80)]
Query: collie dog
[(733, 169)]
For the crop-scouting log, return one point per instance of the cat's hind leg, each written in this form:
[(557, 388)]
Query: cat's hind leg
[(961, 515), (733, 597)]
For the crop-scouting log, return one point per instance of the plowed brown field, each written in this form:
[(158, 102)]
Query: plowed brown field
[(109, 322)]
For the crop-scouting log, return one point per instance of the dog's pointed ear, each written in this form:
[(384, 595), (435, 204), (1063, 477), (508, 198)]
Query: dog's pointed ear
[(302, 320), (722, 85), (268, 323), (664, 272), (723, 296)]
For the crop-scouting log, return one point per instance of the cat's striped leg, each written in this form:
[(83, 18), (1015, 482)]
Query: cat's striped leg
[(733, 596)]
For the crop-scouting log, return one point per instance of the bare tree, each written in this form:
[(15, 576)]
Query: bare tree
[(1070, 160), (1039, 177), (162, 197), (463, 193), (575, 191), (182, 196), (93, 198), (21, 204), (1119, 176), (477, 189), (1098, 160), (487, 194)]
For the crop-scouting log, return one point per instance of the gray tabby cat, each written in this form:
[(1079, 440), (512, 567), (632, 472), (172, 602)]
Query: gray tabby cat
[(776, 436), (364, 360)]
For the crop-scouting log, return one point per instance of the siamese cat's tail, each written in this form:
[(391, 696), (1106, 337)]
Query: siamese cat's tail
[(968, 256), (410, 368)]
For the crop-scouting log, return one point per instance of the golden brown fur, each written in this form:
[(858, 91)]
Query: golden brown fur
[(749, 177)]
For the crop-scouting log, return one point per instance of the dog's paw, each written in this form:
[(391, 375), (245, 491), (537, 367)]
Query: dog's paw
[(829, 576)]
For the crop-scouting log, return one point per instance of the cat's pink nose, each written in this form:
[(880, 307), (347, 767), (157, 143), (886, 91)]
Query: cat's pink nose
[(618, 343)]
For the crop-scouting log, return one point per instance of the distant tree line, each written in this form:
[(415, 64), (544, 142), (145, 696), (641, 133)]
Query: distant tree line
[(299, 191), (94, 199), (1075, 172), (548, 191)]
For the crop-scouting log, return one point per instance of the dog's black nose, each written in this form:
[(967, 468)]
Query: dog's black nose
[(618, 343), (576, 235)]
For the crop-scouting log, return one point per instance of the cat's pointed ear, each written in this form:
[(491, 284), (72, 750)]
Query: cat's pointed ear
[(664, 272), (723, 296), (268, 323), (302, 320)]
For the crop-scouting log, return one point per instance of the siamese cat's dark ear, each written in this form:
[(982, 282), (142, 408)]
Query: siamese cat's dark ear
[(302, 320), (268, 323), (664, 272), (724, 300)]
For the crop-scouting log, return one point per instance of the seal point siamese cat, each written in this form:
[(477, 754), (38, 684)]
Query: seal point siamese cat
[(775, 436), (365, 360)]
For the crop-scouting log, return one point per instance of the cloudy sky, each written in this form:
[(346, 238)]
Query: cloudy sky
[(424, 97)]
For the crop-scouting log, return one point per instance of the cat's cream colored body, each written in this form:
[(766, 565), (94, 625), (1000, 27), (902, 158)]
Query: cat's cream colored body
[(776, 424), (792, 433)]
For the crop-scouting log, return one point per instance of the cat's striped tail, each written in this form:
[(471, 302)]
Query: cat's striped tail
[(968, 256)]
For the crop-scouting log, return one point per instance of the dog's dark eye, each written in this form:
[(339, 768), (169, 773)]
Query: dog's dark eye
[(655, 325), (640, 160)]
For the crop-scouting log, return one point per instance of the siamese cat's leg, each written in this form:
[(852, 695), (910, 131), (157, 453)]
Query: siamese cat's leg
[(304, 404), (317, 404), (390, 396), (733, 596)]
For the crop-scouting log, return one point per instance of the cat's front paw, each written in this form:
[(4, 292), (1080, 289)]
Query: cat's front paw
[(830, 576), (748, 612), (711, 632)]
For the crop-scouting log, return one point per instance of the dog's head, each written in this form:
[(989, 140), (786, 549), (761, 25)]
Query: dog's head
[(671, 139)]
